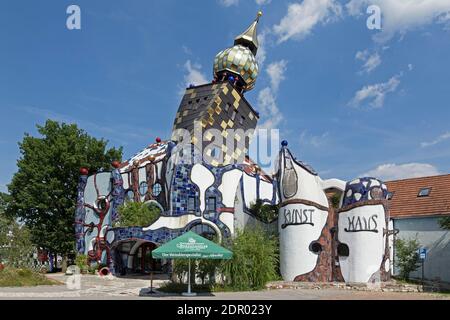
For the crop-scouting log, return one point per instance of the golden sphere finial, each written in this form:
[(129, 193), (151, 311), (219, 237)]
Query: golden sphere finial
[(259, 14)]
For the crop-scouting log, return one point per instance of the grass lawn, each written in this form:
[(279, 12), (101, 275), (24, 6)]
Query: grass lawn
[(11, 277)]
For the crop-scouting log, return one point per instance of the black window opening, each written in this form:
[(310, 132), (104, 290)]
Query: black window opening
[(315, 247), (424, 192), (204, 230), (343, 250), (390, 195), (191, 205), (211, 204)]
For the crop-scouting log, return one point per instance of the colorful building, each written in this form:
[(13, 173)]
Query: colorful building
[(203, 180)]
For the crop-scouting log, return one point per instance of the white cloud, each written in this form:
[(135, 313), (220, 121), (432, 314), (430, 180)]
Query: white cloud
[(376, 93), (399, 17), (392, 171), (410, 67), (267, 103), (439, 139), (194, 74), (262, 2), (268, 108), (371, 61), (262, 52), (186, 50), (228, 3), (276, 71), (314, 140), (301, 18)]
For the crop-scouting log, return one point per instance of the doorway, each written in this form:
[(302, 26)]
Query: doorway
[(143, 261)]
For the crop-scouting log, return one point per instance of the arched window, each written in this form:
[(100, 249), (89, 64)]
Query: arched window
[(156, 189), (143, 188), (130, 195), (204, 230)]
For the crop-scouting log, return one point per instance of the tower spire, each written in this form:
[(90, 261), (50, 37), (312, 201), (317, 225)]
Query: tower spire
[(249, 38)]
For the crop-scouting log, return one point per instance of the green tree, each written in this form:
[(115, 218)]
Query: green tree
[(254, 262), (407, 256), (16, 248), (134, 214), (44, 189)]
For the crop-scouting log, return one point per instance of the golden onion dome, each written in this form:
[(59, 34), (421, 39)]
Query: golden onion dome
[(238, 60)]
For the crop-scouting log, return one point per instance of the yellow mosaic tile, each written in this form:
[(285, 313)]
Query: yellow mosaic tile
[(225, 90), (208, 136)]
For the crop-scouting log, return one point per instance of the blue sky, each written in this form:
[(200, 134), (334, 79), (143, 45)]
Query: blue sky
[(350, 101)]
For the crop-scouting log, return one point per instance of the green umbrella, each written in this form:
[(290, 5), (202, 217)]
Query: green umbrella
[(191, 246)]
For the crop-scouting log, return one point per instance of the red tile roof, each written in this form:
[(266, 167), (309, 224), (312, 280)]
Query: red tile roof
[(406, 203)]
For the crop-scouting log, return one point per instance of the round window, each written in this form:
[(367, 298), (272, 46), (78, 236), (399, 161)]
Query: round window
[(156, 189), (376, 193), (143, 188), (102, 204), (343, 250), (315, 247)]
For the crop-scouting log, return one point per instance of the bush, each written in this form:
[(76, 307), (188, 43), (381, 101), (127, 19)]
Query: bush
[(407, 256), (137, 214), (444, 222), (16, 247), (266, 212), (254, 262), (207, 268), (81, 261), (12, 277), (181, 268)]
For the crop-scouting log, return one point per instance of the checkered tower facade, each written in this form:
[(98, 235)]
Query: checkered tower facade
[(217, 106)]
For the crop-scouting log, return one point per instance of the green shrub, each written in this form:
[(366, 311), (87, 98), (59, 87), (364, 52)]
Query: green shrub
[(181, 268), (265, 212), (137, 214), (24, 272), (406, 256), (207, 268), (12, 277), (254, 262), (81, 261), (444, 222)]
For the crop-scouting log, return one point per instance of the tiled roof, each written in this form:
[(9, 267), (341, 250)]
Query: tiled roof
[(406, 203)]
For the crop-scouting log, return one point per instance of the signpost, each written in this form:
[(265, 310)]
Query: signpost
[(423, 256)]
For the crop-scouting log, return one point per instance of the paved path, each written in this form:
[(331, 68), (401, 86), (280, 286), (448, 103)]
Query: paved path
[(97, 288)]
